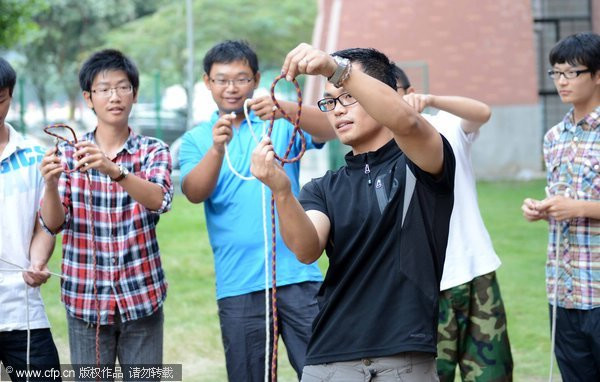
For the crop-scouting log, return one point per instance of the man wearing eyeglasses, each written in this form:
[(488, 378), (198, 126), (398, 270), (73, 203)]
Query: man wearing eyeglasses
[(111, 257), (234, 212), (382, 219), (572, 208)]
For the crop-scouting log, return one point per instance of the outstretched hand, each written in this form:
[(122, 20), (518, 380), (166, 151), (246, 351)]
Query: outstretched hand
[(305, 59), (36, 275), (222, 132), (560, 207), (264, 108), (51, 167), (266, 169), (531, 210), (418, 101), (91, 156)]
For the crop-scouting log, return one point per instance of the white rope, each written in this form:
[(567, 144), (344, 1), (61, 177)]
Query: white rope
[(558, 234), (254, 136), (28, 330), (21, 269), (265, 232)]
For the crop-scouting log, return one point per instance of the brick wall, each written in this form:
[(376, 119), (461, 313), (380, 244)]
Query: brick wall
[(481, 49)]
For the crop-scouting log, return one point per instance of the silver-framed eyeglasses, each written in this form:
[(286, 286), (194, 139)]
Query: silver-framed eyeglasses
[(328, 103), (569, 74), (122, 90), (236, 82)]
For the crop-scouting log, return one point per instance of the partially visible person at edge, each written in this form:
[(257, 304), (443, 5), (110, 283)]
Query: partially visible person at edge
[(131, 186), (382, 219), (572, 157), (24, 243), (472, 312), (234, 211)]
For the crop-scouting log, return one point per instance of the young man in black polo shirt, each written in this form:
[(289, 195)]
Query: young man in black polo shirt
[(382, 219)]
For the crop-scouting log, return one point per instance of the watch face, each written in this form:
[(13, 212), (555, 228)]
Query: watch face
[(341, 60), (341, 72)]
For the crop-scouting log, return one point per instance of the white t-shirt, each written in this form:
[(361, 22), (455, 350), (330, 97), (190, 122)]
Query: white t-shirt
[(21, 186), (470, 252)]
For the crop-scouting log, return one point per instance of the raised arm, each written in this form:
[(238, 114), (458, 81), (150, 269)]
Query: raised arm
[(305, 233), (52, 211), (200, 182), (562, 208), (473, 113), (413, 134), (149, 194)]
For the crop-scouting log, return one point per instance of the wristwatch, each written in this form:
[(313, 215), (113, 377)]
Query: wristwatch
[(342, 72), (123, 172)]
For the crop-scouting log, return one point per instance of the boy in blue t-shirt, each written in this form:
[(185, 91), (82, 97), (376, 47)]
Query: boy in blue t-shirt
[(234, 213)]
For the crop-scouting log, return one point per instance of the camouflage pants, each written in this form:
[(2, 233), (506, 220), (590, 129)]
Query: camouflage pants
[(472, 333)]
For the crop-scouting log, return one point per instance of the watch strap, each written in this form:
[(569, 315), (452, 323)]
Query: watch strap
[(121, 176)]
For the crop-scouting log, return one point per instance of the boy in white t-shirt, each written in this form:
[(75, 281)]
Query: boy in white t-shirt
[(472, 331), (22, 242)]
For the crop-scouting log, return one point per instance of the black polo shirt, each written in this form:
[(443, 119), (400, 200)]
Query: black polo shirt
[(380, 294)]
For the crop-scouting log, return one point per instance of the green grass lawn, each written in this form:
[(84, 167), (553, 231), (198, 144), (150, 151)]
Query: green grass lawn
[(192, 334)]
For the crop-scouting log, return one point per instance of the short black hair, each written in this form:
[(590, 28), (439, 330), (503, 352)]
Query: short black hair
[(578, 49), (8, 76), (108, 59), (373, 62), (401, 77), (231, 51)]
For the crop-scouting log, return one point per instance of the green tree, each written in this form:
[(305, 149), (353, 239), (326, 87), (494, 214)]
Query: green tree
[(16, 20), (69, 30), (158, 42)]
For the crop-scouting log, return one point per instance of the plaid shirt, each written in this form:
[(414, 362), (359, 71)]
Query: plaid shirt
[(130, 277), (572, 156)]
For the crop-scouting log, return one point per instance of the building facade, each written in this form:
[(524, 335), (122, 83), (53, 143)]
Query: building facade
[(494, 51)]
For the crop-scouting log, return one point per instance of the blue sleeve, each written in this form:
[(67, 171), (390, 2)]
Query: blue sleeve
[(193, 148), (310, 143)]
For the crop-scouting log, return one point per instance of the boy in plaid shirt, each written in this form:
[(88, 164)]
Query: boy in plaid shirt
[(131, 184), (572, 156)]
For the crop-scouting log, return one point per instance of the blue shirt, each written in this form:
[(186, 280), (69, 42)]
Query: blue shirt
[(234, 216)]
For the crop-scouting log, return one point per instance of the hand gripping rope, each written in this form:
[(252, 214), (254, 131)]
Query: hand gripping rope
[(18, 268), (90, 211), (568, 192), (254, 136), (265, 231), (282, 160)]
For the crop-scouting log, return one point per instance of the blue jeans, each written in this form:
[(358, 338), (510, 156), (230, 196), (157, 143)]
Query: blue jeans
[(43, 354), (243, 329), (578, 344), (135, 343)]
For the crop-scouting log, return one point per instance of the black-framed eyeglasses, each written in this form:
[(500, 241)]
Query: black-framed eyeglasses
[(121, 91), (569, 74), (236, 82), (328, 103)]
